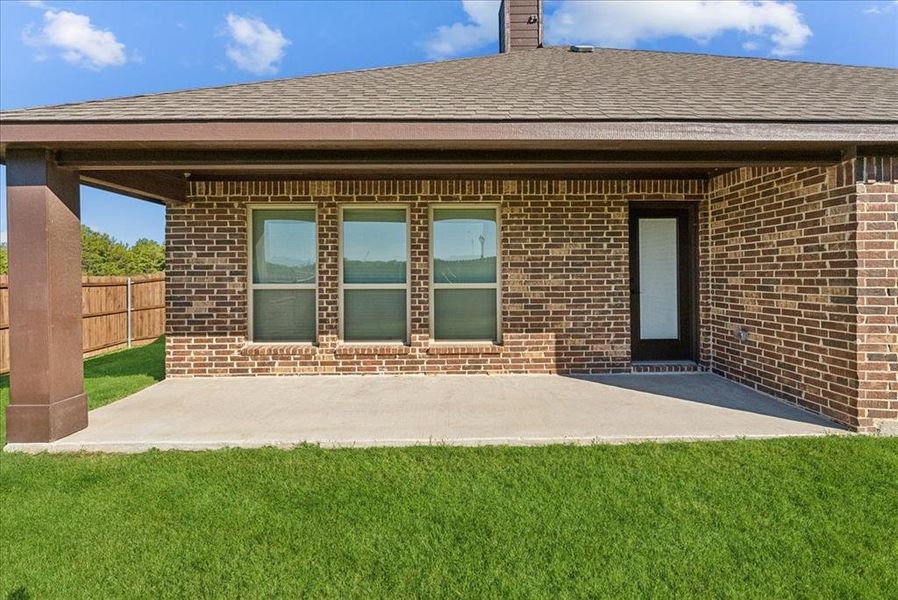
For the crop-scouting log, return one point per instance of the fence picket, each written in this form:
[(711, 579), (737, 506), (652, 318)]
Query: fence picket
[(104, 310)]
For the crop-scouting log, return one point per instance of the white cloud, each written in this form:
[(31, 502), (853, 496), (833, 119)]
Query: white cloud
[(625, 24), (881, 9), (77, 39), (255, 47), (482, 28)]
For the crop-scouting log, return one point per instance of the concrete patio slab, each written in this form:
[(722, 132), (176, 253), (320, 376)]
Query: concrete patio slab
[(200, 414)]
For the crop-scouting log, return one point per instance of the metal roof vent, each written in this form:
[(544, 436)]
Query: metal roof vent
[(582, 48)]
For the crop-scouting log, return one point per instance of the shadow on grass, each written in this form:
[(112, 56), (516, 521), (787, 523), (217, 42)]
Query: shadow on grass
[(19, 594), (109, 377)]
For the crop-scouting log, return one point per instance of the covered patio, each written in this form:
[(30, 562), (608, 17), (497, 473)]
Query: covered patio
[(360, 411), (503, 228)]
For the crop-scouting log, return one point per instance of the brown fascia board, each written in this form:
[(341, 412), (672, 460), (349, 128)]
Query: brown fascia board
[(443, 134), (160, 188), (258, 160)]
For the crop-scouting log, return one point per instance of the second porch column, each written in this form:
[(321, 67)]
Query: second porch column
[(47, 399)]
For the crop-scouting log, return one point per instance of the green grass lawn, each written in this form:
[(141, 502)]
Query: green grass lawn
[(108, 377), (810, 518)]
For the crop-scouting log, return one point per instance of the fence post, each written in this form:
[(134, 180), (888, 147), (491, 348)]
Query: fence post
[(129, 311)]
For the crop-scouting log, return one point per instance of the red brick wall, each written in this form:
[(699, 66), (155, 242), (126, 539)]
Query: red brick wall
[(805, 260), (782, 266), (564, 277), (877, 303)]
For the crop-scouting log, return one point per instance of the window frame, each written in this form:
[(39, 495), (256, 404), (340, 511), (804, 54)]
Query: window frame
[(460, 286), (375, 286), (252, 286)]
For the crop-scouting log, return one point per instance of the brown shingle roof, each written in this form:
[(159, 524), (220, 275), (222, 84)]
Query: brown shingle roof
[(541, 84)]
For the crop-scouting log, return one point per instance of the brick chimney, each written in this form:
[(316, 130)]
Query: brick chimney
[(520, 25)]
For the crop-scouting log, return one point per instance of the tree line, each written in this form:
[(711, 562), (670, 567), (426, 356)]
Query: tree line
[(102, 254)]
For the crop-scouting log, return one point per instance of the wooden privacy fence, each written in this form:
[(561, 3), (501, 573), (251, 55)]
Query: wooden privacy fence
[(109, 320)]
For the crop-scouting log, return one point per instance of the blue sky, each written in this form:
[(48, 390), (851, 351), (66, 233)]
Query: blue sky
[(54, 52)]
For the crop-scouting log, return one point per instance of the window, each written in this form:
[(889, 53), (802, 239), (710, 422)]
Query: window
[(374, 274), (283, 266), (465, 276)]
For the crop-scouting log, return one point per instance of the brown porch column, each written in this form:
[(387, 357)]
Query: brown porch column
[(47, 398)]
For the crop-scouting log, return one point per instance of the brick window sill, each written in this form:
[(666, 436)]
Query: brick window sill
[(255, 349), (456, 349), (371, 349)]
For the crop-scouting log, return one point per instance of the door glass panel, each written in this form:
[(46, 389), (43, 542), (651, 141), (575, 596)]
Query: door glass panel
[(658, 308)]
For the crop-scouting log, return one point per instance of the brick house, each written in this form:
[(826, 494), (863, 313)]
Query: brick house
[(544, 210)]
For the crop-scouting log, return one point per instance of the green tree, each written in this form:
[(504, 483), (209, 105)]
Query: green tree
[(102, 254), (146, 256)]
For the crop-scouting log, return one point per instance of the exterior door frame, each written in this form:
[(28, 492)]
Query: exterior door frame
[(686, 347)]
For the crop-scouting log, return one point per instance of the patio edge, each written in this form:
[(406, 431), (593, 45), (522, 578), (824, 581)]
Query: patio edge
[(193, 446)]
